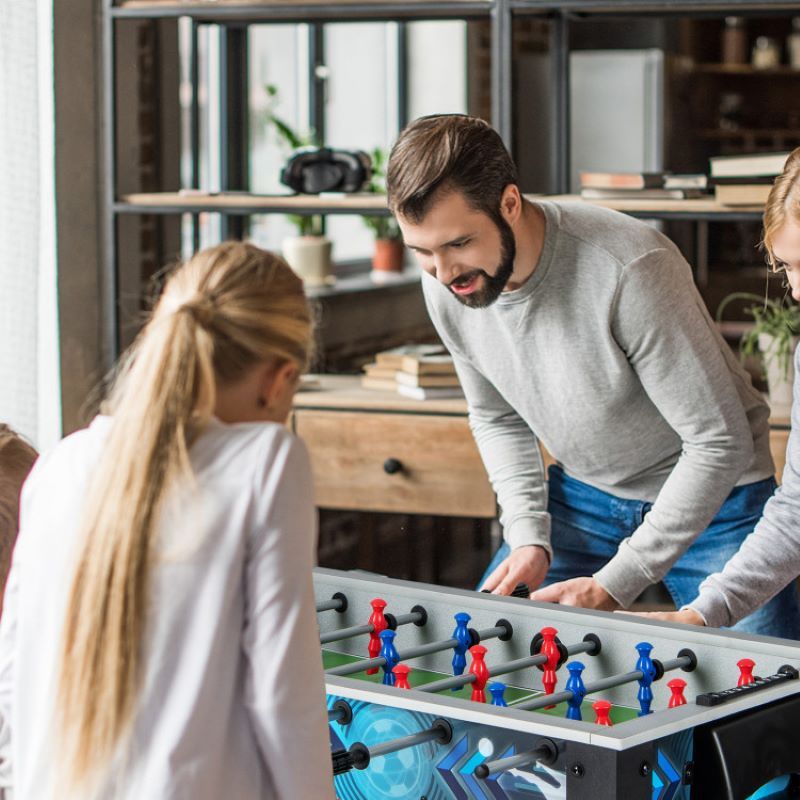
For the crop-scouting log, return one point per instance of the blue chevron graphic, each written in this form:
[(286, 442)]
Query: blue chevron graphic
[(510, 752), (492, 785), (469, 779), (445, 768), (668, 776)]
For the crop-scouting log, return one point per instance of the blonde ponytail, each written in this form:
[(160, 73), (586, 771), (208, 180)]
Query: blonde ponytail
[(225, 310)]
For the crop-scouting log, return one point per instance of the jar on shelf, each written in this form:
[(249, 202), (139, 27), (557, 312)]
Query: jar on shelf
[(734, 41), (766, 53), (793, 44)]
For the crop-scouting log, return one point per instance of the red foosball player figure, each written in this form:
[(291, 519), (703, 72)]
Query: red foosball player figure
[(549, 648), (602, 708), (401, 674), (746, 666), (479, 669), (378, 622), (676, 686)]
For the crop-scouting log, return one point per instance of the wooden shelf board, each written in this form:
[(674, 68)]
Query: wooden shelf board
[(743, 69), (373, 204), (688, 207), (745, 133), (253, 203)]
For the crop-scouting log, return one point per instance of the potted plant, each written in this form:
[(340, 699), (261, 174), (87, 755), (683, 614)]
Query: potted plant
[(387, 258), (308, 253), (773, 335)]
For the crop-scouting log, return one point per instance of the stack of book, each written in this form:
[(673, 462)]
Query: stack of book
[(422, 372), (745, 180), (642, 185)]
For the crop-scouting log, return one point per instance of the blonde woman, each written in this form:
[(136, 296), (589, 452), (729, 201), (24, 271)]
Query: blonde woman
[(769, 558), (160, 638), (16, 460)]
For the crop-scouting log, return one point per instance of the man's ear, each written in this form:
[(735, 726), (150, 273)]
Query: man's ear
[(278, 379), (511, 203)]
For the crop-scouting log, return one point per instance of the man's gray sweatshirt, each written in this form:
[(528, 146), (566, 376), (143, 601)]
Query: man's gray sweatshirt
[(607, 355), (769, 558)]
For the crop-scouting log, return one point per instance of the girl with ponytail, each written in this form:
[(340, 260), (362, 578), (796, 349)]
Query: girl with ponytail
[(159, 638)]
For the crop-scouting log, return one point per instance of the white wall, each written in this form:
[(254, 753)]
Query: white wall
[(29, 385)]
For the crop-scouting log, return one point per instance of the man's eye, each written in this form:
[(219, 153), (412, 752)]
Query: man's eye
[(460, 244)]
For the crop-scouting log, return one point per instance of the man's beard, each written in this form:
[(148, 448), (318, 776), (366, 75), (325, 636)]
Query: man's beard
[(493, 285)]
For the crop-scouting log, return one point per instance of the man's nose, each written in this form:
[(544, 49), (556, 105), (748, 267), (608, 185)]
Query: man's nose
[(444, 268)]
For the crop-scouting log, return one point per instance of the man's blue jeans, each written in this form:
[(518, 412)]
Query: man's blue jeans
[(588, 525)]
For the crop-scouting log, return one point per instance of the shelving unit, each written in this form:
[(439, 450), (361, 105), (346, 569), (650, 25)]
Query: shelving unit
[(235, 15)]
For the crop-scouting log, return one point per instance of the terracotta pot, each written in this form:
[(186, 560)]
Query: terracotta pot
[(388, 256)]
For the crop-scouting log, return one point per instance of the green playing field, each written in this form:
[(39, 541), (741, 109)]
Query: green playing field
[(418, 677)]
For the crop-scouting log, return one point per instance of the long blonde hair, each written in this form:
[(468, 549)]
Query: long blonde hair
[(783, 202), (225, 310)]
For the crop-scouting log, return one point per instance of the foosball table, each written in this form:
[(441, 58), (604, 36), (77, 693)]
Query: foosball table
[(444, 693)]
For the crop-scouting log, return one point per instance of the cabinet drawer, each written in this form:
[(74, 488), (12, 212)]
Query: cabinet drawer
[(440, 470)]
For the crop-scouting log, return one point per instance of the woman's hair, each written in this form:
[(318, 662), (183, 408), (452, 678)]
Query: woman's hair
[(783, 202), (16, 460), (228, 308), (449, 152)]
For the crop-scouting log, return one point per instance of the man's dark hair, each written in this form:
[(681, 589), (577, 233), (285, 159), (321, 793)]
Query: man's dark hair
[(451, 152)]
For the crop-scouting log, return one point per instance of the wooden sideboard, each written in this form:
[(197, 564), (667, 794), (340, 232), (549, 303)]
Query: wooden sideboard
[(379, 451)]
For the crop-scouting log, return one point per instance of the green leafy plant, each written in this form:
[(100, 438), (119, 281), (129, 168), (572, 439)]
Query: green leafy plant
[(779, 319), (306, 225), (382, 227)]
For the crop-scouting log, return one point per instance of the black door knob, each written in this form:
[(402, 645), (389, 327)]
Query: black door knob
[(392, 465)]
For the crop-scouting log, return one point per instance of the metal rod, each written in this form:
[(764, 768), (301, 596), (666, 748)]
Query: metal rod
[(501, 47), (110, 344), (520, 760), (543, 701), (337, 602), (559, 56), (405, 742), (456, 682), (503, 669), (411, 652), (345, 633)]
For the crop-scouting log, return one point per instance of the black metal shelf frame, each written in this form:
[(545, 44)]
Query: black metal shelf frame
[(235, 17)]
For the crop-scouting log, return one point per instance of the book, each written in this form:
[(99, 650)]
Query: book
[(429, 393), (742, 179), (381, 384), (408, 379), (378, 371), (428, 365), (640, 194), (742, 194), (747, 164), (621, 180), (394, 357), (689, 180)]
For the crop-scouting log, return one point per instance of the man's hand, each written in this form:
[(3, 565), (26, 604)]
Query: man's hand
[(527, 564), (688, 616), (581, 592)]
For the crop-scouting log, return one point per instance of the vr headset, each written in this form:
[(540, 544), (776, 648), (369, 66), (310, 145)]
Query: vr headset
[(312, 170)]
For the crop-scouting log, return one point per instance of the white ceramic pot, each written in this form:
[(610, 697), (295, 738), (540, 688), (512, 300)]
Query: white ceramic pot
[(310, 258), (779, 384)]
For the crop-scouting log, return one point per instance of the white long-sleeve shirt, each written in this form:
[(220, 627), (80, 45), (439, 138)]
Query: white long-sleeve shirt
[(769, 557), (232, 703)]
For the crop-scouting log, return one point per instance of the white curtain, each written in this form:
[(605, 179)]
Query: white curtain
[(29, 359)]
